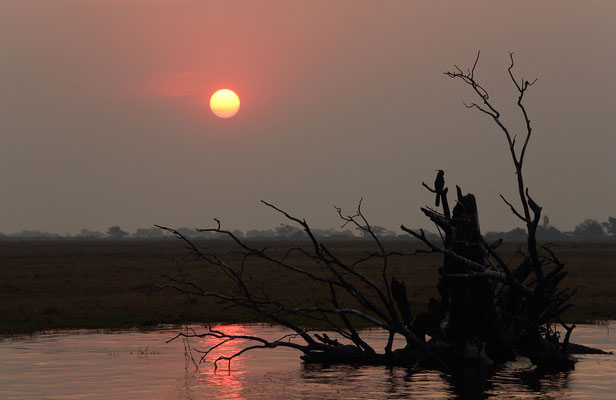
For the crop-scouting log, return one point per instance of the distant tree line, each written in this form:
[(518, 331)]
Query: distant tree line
[(589, 229)]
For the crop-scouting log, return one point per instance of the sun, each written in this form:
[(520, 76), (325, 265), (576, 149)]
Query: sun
[(224, 103)]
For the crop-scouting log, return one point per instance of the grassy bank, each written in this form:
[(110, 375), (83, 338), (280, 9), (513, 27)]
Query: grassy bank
[(107, 284)]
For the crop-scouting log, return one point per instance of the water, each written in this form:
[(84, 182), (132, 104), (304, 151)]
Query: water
[(139, 365)]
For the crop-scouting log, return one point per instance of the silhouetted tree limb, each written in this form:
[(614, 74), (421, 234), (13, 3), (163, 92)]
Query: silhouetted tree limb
[(517, 156), (384, 315)]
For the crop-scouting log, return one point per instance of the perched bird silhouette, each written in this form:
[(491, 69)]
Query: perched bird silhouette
[(439, 184)]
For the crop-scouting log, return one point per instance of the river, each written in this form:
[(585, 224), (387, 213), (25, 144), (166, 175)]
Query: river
[(140, 365)]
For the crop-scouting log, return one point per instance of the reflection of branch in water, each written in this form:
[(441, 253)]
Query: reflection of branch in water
[(468, 384), (537, 381), (188, 356)]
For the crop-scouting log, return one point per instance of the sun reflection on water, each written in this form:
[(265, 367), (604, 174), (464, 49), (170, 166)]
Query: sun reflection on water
[(226, 381)]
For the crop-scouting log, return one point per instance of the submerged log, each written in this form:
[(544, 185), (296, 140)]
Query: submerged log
[(581, 349)]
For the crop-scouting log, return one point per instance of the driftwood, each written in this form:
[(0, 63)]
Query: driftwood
[(488, 311)]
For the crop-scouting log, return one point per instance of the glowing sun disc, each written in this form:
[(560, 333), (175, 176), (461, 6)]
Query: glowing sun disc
[(224, 103)]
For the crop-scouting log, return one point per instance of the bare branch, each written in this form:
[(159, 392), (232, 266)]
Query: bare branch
[(513, 210)]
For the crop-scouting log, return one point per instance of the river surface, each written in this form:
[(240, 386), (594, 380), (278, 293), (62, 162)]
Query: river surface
[(140, 365)]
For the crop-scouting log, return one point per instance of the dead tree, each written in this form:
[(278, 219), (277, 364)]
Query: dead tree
[(527, 305), (488, 311)]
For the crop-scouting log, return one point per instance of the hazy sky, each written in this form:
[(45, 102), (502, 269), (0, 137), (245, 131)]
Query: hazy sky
[(105, 120)]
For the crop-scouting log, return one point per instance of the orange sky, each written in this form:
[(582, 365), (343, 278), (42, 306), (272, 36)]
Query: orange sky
[(105, 117)]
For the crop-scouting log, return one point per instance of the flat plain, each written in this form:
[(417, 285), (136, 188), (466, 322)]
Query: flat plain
[(106, 284)]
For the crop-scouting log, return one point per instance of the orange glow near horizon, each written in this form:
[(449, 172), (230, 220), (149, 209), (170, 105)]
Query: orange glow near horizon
[(224, 103)]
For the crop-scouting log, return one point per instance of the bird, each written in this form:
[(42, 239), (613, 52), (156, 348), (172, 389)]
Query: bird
[(439, 184)]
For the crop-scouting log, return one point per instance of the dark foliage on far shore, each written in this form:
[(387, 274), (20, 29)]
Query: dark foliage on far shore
[(589, 229)]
